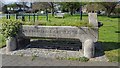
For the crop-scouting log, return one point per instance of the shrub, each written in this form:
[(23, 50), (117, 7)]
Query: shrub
[(10, 28)]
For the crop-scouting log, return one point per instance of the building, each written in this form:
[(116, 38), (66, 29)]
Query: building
[(1, 5)]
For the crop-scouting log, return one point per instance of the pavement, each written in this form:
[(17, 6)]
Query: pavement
[(14, 60)]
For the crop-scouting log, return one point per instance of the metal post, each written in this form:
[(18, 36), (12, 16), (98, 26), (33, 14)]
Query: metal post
[(6, 16), (16, 16), (80, 12), (29, 16), (34, 17), (37, 16), (46, 15), (81, 15), (23, 18)]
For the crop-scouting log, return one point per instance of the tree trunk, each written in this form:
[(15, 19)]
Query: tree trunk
[(108, 12), (71, 12), (52, 10)]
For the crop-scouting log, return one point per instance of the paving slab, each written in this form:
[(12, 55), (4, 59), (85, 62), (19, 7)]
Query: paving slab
[(13, 60)]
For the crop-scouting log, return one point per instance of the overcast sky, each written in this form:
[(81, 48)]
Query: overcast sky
[(8, 1)]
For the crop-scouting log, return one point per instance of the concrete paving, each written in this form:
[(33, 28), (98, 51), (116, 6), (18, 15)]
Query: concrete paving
[(12, 60)]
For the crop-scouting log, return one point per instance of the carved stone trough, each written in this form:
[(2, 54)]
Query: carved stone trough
[(88, 36)]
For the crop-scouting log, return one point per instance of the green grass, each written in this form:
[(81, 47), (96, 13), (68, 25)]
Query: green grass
[(108, 33), (2, 41), (67, 21), (81, 59), (33, 57)]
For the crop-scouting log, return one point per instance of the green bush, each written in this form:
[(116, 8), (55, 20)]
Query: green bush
[(10, 28), (2, 41)]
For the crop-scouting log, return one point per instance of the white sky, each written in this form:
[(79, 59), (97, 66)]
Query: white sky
[(8, 1)]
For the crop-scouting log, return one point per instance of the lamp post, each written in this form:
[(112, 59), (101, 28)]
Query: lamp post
[(46, 14), (8, 16)]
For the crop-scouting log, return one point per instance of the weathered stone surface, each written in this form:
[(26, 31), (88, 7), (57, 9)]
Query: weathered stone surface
[(93, 19), (86, 35), (89, 48), (81, 33), (10, 44), (22, 42)]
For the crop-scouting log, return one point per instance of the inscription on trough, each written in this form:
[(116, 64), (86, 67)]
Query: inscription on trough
[(81, 33), (43, 31), (49, 31)]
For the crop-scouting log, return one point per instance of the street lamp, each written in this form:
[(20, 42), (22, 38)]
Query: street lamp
[(8, 16), (8, 8)]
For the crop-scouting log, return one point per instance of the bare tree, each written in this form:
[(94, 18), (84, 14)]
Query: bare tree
[(93, 7), (70, 6), (109, 6), (52, 7)]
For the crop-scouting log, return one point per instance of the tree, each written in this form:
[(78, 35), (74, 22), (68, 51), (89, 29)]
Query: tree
[(14, 6), (93, 7), (4, 9), (70, 6), (43, 6), (117, 10), (109, 6), (52, 7)]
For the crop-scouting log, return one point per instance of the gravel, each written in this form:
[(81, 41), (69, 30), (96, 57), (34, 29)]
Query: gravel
[(50, 53)]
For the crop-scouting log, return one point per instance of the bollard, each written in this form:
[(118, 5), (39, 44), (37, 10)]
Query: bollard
[(89, 48), (10, 44)]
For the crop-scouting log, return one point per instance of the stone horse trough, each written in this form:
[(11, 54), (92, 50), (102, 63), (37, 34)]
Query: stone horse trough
[(87, 35)]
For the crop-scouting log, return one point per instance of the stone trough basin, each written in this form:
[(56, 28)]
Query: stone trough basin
[(87, 35)]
